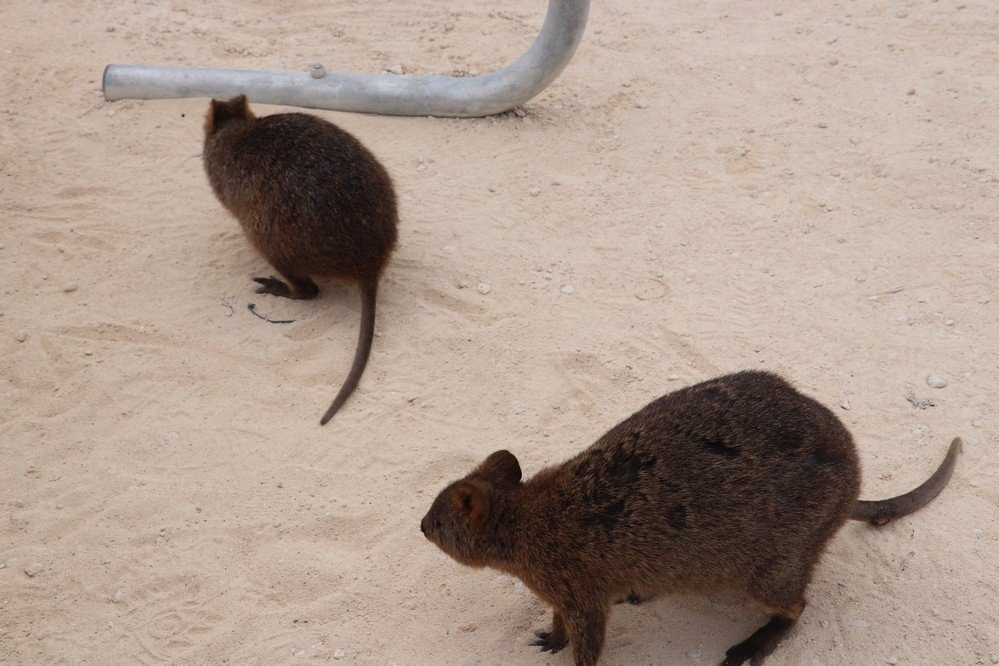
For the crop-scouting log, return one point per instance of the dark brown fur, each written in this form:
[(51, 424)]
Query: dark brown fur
[(312, 200), (735, 483)]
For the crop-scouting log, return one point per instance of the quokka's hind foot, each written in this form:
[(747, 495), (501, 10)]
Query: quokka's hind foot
[(552, 641), (548, 642), (765, 639), (301, 288)]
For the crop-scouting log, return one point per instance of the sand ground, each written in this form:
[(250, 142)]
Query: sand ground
[(804, 187)]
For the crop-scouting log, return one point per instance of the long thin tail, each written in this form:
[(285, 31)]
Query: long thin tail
[(879, 512), (369, 291)]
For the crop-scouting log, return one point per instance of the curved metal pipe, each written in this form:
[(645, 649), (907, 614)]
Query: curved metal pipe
[(373, 93)]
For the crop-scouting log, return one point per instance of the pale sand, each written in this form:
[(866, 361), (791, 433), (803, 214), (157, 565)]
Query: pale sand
[(759, 169)]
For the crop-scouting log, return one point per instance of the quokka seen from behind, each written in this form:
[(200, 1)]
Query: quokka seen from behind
[(312, 200)]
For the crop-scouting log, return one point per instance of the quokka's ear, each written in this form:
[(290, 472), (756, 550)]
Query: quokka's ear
[(240, 107), (501, 468), (472, 500), (223, 111), (212, 116)]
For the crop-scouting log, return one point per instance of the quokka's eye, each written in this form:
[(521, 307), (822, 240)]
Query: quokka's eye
[(437, 523)]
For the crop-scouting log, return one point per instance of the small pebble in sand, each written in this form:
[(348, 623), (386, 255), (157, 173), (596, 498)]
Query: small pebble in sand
[(535, 191), (694, 653), (464, 284), (34, 569), (517, 408), (672, 377), (21, 336), (936, 612), (822, 125), (339, 654), (119, 593), (568, 289), (935, 381), (484, 288), (19, 503), (70, 287), (395, 69), (905, 319), (949, 322), (649, 290), (911, 91), (984, 299), (891, 660), (862, 624), (641, 104), (845, 404)]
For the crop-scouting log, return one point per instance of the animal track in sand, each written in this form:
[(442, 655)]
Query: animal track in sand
[(171, 621)]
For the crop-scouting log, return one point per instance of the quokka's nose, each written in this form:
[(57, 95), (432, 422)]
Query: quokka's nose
[(423, 525)]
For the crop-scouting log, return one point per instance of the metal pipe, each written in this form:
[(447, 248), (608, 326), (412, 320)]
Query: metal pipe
[(373, 93)]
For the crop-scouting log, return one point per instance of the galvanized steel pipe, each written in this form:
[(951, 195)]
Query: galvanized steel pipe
[(386, 94)]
